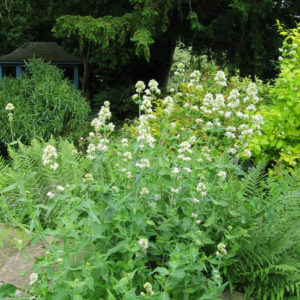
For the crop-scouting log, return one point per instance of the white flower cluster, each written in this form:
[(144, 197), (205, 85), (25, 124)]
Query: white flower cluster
[(146, 105), (201, 187), (205, 152), (88, 177), (195, 75), (124, 142), (144, 132), (33, 278), (233, 99), (251, 93), (144, 163), (144, 191), (153, 86), (185, 148), (143, 243), (102, 145), (175, 190), (148, 287), (103, 115), (9, 107), (220, 78), (230, 132), (148, 96), (127, 156), (222, 175), (211, 104), (140, 86), (221, 248), (49, 154), (168, 103), (180, 69)]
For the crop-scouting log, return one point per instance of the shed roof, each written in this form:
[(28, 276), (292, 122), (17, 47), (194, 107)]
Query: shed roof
[(49, 51)]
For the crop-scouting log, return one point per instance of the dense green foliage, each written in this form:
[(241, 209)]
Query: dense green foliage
[(44, 103), (281, 132), (167, 210)]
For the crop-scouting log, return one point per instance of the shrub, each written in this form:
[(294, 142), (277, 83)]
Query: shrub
[(44, 103), (280, 137)]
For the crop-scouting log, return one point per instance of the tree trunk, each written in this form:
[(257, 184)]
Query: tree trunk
[(85, 77)]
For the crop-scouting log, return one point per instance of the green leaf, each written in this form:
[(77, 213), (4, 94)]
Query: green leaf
[(161, 271), (179, 274), (164, 296), (7, 290)]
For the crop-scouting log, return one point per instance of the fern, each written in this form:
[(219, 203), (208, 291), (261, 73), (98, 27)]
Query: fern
[(268, 263), (25, 182)]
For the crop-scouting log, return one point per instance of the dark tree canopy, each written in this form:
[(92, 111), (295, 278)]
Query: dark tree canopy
[(123, 41)]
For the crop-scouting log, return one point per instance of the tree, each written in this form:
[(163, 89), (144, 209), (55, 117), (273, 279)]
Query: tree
[(241, 32), (125, 41)]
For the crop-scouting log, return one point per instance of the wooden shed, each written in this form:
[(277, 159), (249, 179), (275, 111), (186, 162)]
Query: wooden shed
[(49, 51)]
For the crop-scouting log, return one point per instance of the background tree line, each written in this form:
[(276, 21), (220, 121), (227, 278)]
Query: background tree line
[(126, 41)]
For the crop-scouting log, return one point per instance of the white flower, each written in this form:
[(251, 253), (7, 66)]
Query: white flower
[(103, 115), (194, 215), (144, 191), (247, 153), (222, 175), (196, 200), (168, 103), (175, 170), (148, 287), (127, 156), (230, 135), (201, 187), (49, 153), (54, 166), (135, 96), (91, 148), (50, 195), (251, 107), (222, 247), (60, 188), (115, 188), (252, 89), (140, 86), (180, 69), (144, 163), (220, 78), (153, 85), (175, 191), (124, 142), (232, 151), (184, 158), (74, 152), (33, 278), (143, 243), (88, 177), (110, 126), (9, 107), (193, 139), (228, 114), (128, 175), (188, 170)]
